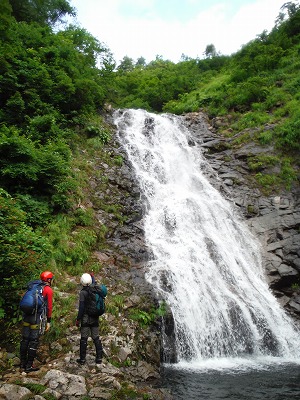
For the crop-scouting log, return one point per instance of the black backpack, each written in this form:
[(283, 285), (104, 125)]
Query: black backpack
[(95, 302)]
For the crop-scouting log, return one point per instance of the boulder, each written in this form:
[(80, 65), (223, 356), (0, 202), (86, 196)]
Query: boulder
[(10, 391), (63, 382)]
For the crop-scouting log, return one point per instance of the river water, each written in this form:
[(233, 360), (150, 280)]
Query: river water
[(276, 382), (231, 337)]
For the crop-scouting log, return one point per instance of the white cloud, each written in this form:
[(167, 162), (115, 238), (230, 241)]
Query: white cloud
[(149, 35)]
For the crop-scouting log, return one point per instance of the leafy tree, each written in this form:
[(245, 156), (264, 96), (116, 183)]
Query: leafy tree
[(184, 57), (292, 25), (287, 30), (157, 83), (288, 10), (41, 11), (126, 65), (255, 57), (86, 44), (213, 64), (210, 51), (44, 71), (27, 167), (23, 253), (141, 62), (5, 18)]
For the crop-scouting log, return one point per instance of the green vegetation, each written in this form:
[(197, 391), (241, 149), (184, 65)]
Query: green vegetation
[(255, 90), (129, 392), (145, 318), (35, 388), (54, 82), (257, 85), (126, 392), (51, 88), (115, 305)]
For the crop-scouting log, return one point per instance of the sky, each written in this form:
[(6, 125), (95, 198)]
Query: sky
[(172, 28)]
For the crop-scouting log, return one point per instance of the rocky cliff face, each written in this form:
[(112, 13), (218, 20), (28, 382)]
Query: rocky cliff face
[(274, 219)]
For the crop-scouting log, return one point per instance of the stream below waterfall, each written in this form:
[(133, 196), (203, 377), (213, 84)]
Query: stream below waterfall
[(281, 382), (231, 339)]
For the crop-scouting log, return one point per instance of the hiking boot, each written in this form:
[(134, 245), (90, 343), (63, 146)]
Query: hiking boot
[(31, 369), (98, 360), (80, 361)]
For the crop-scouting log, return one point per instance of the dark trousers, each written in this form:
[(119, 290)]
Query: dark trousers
[(88, 328), (30, 340)]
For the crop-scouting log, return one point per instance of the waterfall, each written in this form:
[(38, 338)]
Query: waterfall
[(205, 262)]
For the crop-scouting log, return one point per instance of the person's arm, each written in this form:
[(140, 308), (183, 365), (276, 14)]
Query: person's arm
[(48, 295), (81, 306)]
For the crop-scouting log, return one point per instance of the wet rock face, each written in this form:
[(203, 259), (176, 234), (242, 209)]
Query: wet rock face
[(126, 235), (274, 219)]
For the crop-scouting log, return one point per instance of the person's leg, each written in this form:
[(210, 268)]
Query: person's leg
[(97, 343), (32, 346), (83, 344), (24, 343)]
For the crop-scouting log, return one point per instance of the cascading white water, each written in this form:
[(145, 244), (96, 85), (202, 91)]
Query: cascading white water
[(206, 264)]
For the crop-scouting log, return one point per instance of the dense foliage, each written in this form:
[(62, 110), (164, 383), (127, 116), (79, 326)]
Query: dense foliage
[(54, 79), (50, 82), (257, 85)]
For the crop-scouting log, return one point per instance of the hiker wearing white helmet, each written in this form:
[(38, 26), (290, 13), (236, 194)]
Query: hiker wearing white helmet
[(88, 316), (86, 280)]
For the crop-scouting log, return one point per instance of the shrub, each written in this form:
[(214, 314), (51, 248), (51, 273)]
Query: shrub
[(23, 253), (251, 120), (245, 93), (100, 132), (262, 161), (268, 182), (37, 211), (288, 173), (84, 217), (289, 132), (43, 128), (266, 137)]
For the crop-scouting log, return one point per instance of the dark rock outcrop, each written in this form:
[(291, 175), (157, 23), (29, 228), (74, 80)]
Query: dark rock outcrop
[(274, 219)]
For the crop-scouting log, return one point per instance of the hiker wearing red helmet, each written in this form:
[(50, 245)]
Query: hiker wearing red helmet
[(39, 305), (47, 277)]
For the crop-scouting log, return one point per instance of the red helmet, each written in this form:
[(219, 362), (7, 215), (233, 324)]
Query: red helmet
[(46, 276)]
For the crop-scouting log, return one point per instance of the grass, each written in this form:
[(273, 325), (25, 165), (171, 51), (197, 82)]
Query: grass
[(147, 317), (129, 392), (262, 161), (251, 119), (115, 305), (35, 388)]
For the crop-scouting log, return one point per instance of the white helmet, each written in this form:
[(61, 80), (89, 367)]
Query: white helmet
[(86, 279)]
